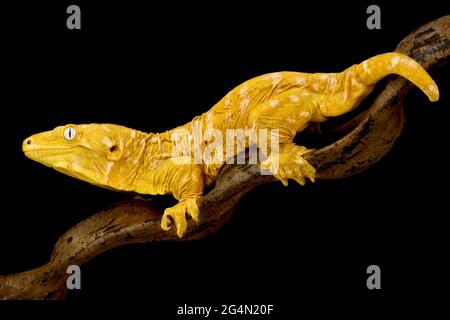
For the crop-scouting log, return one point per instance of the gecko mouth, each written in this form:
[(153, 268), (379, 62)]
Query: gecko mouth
[(48, 151), (29, 145), (45, 155)]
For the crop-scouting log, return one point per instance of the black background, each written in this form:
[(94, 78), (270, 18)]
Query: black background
[(155, 66)]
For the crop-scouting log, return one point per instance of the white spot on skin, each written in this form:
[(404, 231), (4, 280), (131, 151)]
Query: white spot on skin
[(300, 161), (301, 81), (244, 105), (394, 62), (276, 78), (273, 103), (432, 89), (328, 79), (107, 142), (410, 63), (209, 121), (364, 66), (332, 82), (155, 140), (346, 94), (108, 168), (315, 87), (142, 142), (227, 100), (87, 145), (243, 90), (209, 118), (133, 134), (355, 82), (291, 121), (294, 98), (76, 164), (304, 114)]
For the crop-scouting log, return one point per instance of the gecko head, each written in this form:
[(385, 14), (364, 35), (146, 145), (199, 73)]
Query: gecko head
[(101, 154)]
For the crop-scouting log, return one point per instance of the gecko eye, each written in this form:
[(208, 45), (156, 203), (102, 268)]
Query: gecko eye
[(70, 133)]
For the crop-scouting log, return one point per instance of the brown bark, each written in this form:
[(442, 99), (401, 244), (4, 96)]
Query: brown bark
[(369, 137)]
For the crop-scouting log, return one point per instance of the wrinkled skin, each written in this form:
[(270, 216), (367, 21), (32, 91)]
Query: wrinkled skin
[(120, 158)]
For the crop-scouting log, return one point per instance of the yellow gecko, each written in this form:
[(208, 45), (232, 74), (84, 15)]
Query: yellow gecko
[(120, 158)]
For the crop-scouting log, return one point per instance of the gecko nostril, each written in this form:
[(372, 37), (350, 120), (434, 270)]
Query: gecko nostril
[(28, 141)]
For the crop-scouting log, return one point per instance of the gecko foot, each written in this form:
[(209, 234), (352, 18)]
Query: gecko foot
[(290, 166), (177, 213)]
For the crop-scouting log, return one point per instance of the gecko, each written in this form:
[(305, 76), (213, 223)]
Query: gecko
[(124, 159)]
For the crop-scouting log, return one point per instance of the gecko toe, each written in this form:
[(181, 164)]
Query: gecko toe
[(192, 209), (165, 222), (300, 180)]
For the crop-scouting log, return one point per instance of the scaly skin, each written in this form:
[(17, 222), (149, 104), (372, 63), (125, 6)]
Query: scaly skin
[(124, 159)]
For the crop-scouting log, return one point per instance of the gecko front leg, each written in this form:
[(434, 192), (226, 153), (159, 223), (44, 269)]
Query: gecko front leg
[(187, 187)]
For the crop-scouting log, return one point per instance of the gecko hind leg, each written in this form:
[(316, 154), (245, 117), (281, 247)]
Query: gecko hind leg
[(289, 113), (288, 163)]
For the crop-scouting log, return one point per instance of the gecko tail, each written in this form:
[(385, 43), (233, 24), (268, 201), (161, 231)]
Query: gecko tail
[(357, 81), (376, 68)]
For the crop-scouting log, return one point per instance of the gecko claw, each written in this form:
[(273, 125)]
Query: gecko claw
[(300, 180), (285, 182), (165, 222)]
